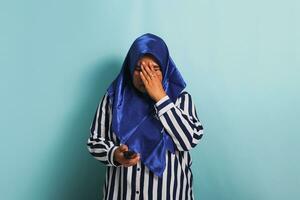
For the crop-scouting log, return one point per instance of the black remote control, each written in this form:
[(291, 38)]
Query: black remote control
[(128, 154)]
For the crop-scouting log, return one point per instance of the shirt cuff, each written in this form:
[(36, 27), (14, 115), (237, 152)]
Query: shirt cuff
[(163, 105), (110, 155), (162, 100)]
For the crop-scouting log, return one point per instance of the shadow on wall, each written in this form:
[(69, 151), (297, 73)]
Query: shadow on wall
[(76, 174)]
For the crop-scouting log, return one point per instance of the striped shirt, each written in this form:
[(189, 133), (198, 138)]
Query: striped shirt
[(137, 182)]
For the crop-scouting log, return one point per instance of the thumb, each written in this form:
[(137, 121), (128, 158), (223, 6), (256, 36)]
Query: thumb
[(123, 148)]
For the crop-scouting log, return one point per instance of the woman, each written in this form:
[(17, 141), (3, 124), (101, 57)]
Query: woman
[(147, 111)]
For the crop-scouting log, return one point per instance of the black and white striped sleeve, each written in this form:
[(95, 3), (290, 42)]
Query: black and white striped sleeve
[(180, 121), (99, 143)]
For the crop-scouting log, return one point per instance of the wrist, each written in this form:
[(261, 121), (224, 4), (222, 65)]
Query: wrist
[(159, 97)]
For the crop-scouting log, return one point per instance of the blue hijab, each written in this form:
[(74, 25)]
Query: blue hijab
[(133, 112)]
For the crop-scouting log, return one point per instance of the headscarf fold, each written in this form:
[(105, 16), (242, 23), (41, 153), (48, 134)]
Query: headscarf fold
[(134, 118)]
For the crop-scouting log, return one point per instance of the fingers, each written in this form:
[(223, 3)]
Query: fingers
[(123, 148), (152, 69), (148, 74), (145, 74), (125, 162), (149, 71), (132, 161), (145, 81)]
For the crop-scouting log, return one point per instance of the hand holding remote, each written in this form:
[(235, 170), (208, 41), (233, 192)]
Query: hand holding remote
[(129, 154), (121, 154)]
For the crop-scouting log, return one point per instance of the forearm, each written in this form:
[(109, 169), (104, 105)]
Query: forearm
[(99, 143), (183, 127)]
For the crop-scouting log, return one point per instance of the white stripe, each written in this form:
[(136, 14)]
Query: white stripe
[(190, 186), (186, 103), (178, 174), (183, 167), (122, 179), (172, 176), (146, 183), (178, 101), (105, 183), (198, 123), (155, 184), (103, 128), (96, 122), (193, 110), (164, 179), (110, 180), (128, 181), (116, 188), (185, 158), (109, 122)]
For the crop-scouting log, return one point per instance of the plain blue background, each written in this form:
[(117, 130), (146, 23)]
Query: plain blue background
[(240, 59)]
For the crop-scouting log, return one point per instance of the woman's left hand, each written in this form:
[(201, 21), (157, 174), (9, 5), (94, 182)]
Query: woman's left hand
[(152, 83)]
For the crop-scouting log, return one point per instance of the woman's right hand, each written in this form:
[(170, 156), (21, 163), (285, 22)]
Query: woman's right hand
[(119, 156)]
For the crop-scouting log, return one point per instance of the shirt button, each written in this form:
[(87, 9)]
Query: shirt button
[(138, 169), (137, 192)]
